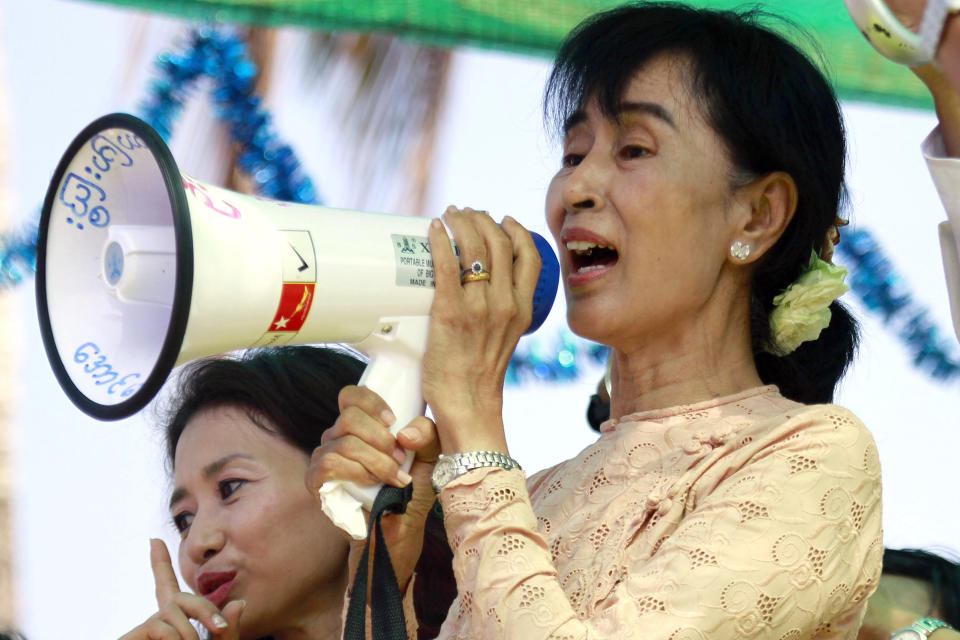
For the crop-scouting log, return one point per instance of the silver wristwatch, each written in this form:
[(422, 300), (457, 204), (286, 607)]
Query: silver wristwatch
[(449, 467), (920, 629)]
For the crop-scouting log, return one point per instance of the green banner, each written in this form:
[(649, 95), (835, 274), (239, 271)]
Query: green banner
[(535, 27)]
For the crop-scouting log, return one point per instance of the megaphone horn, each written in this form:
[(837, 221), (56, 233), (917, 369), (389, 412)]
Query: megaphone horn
[(141, 268)]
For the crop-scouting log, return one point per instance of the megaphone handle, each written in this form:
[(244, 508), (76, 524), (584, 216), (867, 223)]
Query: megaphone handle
[(394, 373)]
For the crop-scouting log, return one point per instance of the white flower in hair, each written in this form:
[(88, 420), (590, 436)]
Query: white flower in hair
[(802, 311)]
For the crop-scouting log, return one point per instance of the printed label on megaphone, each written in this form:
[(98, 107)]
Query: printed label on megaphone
[(140, 268)]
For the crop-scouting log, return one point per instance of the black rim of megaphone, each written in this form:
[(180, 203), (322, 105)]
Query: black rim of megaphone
[(183, 282)]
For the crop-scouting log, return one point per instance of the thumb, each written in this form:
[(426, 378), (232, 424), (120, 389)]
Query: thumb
[(231, 612), (421, 436)]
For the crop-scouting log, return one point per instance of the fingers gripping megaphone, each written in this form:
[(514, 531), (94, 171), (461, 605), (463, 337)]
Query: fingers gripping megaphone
[(141, 268)]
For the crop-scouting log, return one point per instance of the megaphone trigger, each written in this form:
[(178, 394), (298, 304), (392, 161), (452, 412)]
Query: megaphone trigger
[(141, 268), (394, 372)]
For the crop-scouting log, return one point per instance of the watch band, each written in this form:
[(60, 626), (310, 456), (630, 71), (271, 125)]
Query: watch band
[(923, 627), (477, 459), (449, 467)]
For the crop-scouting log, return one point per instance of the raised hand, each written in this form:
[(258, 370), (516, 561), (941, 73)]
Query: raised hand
[(475, 325), (908, 12), (943, 77), (360, 448), (176, 608)]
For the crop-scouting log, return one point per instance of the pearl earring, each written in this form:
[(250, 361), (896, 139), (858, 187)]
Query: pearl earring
[(740, 250)]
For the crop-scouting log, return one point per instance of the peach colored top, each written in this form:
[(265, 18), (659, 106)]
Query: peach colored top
[(744, 516)]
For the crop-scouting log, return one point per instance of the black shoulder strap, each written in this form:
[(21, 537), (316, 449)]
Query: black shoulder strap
[(386, 603)]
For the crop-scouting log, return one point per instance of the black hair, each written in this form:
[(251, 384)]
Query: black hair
[(774, 110), (942, 573), (598, 412), (294, 388)]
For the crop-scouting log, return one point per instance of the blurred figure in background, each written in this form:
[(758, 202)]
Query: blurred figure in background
[(915, 585)]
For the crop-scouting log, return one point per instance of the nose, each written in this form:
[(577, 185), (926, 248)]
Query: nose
[(583, 189), (205, 538)]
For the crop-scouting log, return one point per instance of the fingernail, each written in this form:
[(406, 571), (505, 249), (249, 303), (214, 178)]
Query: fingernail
[(435, 223), (399, 455), (387, 416), (404, 477), (451, 209), (412, 435), (219, 621)]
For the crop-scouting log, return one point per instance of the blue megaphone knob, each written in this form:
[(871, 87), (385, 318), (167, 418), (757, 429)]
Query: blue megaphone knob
[(546, 291)]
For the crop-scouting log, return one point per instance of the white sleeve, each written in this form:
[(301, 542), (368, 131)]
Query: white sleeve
[(946, 177)]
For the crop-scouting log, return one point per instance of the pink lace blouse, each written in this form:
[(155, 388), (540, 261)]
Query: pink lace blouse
[(744, 516)]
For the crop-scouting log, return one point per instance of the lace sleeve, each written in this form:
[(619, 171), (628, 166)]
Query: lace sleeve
[(784, 545)]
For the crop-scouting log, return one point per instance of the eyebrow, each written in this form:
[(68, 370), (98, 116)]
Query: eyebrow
[(208, 472), (573, 120), (651, 108)]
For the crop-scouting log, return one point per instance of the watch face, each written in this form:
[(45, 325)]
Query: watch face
[(443, 472), (906, 634)]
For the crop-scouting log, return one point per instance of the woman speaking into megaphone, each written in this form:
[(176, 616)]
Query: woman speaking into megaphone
[(696, 212)]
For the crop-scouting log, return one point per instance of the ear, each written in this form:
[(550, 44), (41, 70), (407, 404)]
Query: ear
[(767, 207)]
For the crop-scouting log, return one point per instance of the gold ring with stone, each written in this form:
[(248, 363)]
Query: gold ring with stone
[(475, 273)]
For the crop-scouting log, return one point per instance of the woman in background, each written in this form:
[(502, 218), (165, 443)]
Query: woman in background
[(917, 587), (260, 557)]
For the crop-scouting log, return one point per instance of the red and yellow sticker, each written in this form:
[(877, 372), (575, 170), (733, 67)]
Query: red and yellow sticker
[(299, 273), (294, 307)]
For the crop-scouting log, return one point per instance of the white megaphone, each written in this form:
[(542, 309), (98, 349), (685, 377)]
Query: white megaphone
[(141, 268)]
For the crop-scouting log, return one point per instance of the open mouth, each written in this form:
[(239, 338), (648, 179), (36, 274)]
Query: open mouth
[(588, 256)]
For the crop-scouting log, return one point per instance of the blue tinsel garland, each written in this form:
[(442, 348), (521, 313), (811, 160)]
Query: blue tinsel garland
[(561, 360), (222, 56), (875, 281), (18, 255)]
